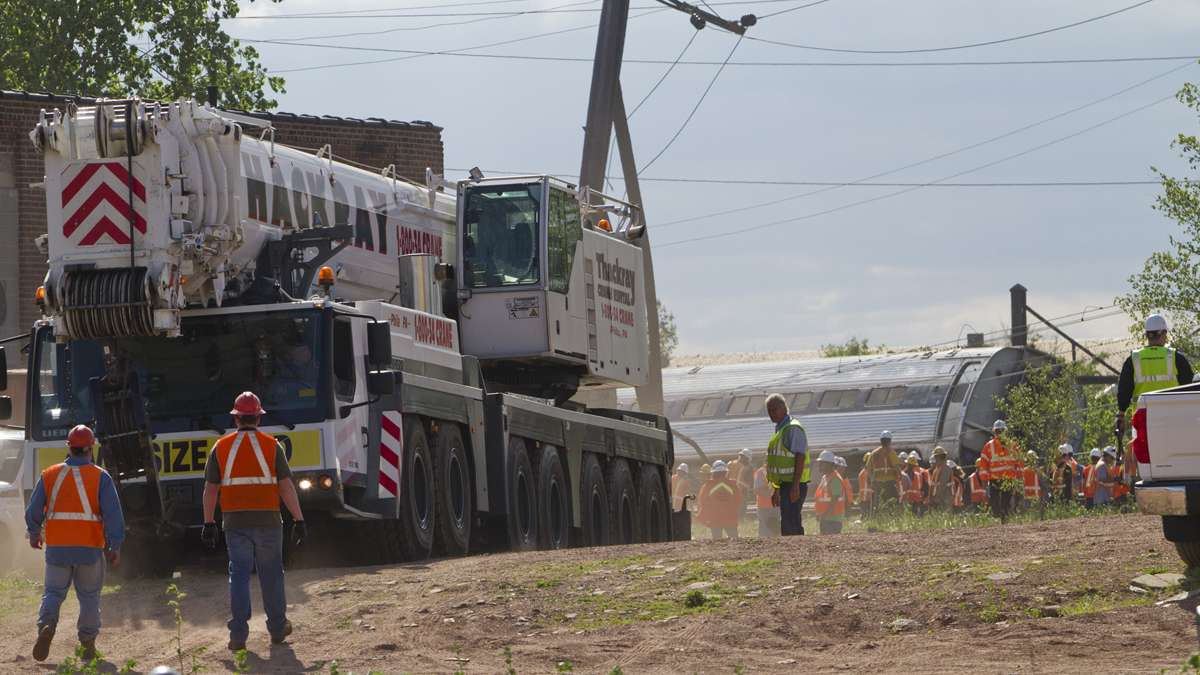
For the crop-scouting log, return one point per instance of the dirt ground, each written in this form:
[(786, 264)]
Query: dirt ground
[(811, 604)]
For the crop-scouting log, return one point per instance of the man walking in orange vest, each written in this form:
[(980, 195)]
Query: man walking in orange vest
[(1000, 468), (248, 474), (721, 502), (77, 504)]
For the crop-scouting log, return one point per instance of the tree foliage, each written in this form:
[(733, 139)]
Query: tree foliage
[(668, 334), (851, 347), (1049, 408), (160, 50), (1169, 281)]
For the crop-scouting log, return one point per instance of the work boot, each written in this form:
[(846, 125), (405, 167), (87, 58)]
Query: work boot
[(278, 638), (236, 646), (89, 650), (41, 648)]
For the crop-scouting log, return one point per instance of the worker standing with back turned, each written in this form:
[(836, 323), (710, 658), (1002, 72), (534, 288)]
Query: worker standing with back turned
[(77, 503), (248, 474), (788, 465), (883, 472), (1153, 367)]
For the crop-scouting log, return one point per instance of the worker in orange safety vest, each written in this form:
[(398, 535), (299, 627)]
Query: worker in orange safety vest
[(979, 495), (1030, 478), (958, 487), (75, 512), (1000, 468), (248, 474), (681, 486), (720, 502), (912, 483), (833, 495), (1089, 478), (768, 514), (941, 482)]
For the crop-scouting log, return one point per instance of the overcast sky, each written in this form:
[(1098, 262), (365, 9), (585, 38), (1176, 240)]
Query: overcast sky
[(908, 269)]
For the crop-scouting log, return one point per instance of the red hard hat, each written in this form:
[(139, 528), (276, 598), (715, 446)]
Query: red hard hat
[(247, 403), (81, 437)]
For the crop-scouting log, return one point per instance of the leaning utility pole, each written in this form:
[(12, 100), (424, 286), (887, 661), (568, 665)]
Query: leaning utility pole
[(606, 115)]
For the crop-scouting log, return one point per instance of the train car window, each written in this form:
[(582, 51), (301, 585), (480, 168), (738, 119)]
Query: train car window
[(701, 407), (799, 401), (959, 392), (746, 405), (886, 396), (839, 399), (896, 395)]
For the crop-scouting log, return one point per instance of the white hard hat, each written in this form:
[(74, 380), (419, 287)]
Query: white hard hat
[(1155, 323), (744, 452), (683, 467), (1094, 453), (885, 435), (915, 455), (999, 425), (720, 466), (827, 456), (903, 455), (839, 461), (1066, 449), (1110, 451)]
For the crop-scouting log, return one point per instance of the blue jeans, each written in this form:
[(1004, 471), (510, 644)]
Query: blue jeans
[(261, 549), (789, 511), (88, 580)]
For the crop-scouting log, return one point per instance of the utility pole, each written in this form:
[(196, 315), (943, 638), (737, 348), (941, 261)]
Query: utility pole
[(606, 114)]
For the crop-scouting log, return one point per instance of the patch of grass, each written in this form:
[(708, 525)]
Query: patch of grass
[(1098, 603), (1157, 569), (896, 520), (694, 599), (613, 609), (17, 594), (751, 567)]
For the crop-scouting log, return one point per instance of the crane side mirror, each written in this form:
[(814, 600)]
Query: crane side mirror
[(379, 344), (381, 383)]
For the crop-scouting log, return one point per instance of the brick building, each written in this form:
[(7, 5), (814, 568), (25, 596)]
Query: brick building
[(411, 146)]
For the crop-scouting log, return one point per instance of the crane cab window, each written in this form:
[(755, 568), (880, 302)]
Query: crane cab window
[(501, 227), (701, 407), (838, 399), (343, 359), (562, 233)]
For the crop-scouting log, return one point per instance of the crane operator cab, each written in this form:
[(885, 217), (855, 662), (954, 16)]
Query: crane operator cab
[(551, 295)]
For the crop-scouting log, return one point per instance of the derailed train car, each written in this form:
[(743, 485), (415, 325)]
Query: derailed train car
[(925, 399)]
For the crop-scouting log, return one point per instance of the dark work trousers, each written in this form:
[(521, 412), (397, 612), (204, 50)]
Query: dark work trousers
[(1002, 502), (789, 511)]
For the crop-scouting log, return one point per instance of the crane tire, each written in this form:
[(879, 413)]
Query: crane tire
[(417, 514), (1189, 551), (554, 501), (522, 498), (456, 505), (623, 508), (656, 508), (593, 500)]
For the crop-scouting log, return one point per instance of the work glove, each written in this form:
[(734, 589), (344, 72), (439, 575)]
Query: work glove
[(299, 532), (208, 535)]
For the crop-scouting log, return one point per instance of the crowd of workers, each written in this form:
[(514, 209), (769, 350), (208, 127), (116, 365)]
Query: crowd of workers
[(1004, 480)]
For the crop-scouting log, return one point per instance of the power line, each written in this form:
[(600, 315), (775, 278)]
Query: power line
[(696, 107), (366, 13), (927, 50), (855, 183), (792, 9), (942, 155), (443, 24), (906, 190)]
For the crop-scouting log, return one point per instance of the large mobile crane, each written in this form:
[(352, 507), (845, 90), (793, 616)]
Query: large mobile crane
[(416, 350)]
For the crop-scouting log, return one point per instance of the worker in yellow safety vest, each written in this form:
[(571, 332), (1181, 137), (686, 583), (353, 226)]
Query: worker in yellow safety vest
[(74, 511), (883, 472), (788, 465), (1151, 368)]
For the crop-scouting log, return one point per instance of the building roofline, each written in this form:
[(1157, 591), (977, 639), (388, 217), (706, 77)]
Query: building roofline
[(375, 122)]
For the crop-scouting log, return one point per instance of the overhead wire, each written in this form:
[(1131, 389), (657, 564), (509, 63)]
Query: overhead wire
[(897, 193), (928, 50), (942, 155), (695, 107), (367, 13), (806, 5)]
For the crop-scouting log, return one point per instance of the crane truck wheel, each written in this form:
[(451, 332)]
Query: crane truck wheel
[(593, 499), (456, 506), (522, 498), (417, 512), (554, 503), (624, 514), (656, 509)]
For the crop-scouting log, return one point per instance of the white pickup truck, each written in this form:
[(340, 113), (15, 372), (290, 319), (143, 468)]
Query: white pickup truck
[(1166, 445)]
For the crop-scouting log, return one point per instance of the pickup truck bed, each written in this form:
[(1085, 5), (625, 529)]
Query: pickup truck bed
[(1167, 447)]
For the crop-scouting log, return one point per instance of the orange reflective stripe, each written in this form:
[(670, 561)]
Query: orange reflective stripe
[(73, 505), (978, 494), (247, 462), (1033, 489)]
